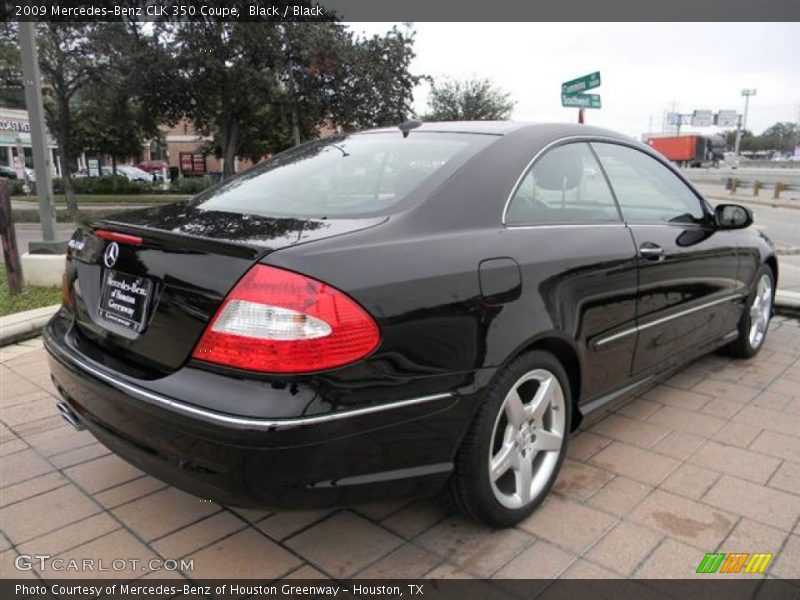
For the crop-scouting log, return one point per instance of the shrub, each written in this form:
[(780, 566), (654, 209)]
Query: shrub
[(190, 185), (14, 187), (108, 184)]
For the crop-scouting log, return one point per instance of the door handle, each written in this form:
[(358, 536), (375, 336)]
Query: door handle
[(651, 251)]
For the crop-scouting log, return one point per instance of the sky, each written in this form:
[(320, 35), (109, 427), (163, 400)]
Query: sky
[(647, 69)]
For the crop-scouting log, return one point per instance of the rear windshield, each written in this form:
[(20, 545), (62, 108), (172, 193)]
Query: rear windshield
[(345, 175)]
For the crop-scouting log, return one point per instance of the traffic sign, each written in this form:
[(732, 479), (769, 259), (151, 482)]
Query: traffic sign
[(727, 118), (581, 84), (581, 100), (702, 118)]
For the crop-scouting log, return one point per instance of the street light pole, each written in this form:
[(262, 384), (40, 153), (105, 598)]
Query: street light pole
[(743, 121), (41, 162)]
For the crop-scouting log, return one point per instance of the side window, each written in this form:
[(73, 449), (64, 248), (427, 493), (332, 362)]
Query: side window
[(645, 189), (565, 185)]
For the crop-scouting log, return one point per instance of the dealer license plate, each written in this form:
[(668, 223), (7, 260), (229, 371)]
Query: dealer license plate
[(125, 299)]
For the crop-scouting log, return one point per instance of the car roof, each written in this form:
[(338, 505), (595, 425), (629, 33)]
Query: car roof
[(500, 128)]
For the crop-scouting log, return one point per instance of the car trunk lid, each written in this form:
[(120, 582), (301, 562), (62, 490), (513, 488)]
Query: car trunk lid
[(145, 284)]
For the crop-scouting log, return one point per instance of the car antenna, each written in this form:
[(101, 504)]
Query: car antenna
[(407, 126), (342, 150)]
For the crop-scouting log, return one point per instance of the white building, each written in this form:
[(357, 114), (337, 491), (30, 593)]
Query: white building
[(15, 138)]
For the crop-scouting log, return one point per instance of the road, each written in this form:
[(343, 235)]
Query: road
[(767, 175), (782, 225)]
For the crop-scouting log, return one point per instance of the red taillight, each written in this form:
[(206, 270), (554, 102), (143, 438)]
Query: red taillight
[(114, 236), (66, 294), (277, 321)]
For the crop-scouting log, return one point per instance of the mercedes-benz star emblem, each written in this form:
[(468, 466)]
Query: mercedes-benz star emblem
[(111, 254)]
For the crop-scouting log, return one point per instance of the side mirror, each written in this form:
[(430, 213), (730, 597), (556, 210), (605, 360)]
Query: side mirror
[(732, 216)]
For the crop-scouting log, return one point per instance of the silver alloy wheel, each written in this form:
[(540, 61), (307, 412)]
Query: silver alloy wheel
[(760, 311), (527, 438)]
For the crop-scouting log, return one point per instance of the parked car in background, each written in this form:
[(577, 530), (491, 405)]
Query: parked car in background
[(131, 173), (153, 166), (8, 172), (398, 311), (731, 160), (128, 171), (156, 168)]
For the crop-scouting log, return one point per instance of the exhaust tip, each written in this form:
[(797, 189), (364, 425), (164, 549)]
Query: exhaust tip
[(70, 416)]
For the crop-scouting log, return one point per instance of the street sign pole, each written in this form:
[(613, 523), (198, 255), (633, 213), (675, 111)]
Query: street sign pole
[(41, 163)]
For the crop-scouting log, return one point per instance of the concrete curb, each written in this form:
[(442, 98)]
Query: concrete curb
[(29, 324), (787, 303), (25, 325)]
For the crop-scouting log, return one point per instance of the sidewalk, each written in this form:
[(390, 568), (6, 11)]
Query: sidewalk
[(708, 461)]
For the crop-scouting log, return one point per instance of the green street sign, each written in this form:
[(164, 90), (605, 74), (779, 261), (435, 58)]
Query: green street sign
[(581, 84), (581, 100)]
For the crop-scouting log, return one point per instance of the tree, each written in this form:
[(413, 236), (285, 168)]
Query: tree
[(469, 100), (109, 123), (12, 91), (258, 88), (68, 62), (781, 137), (374, 85), (111, 118), (10, 61), (224, 70), (91, 88)]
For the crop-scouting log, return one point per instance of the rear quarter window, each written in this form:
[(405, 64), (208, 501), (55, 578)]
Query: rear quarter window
[(565, 185)]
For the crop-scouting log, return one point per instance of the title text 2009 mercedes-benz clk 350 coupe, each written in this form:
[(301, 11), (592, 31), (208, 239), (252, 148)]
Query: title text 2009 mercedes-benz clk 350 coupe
[(399, 311)]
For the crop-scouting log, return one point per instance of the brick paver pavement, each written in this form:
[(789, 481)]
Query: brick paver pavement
[(707, 461)]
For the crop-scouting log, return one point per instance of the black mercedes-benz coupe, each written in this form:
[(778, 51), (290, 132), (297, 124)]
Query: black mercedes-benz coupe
[(399, 311)]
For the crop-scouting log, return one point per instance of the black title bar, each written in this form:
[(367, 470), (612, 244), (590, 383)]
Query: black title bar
[(405, 10)]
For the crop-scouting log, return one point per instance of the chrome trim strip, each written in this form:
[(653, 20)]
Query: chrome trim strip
[(637, 328), (247, 423), (688, 311), (616, 336), (564, 225), (731, 335), (406, 473), (593, 405)]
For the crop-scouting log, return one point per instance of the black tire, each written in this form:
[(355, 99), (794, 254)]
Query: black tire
[(471, 487), (744, 346)]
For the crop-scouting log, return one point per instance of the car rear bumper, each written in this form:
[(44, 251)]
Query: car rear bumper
[(340, 457)]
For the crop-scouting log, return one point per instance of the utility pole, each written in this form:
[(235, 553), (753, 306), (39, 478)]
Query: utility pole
[(41, 160), (743, 121)]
